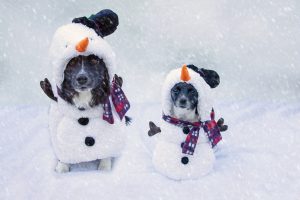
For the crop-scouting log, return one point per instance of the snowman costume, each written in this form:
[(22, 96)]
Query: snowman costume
[(95, 133), (184, 150)]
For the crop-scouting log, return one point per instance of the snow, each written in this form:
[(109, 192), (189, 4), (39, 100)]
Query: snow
[(258, 159), (253, 45)]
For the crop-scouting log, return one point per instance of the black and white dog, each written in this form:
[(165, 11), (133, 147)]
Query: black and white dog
[(86, 82), (184, 101), (85, 85), (189, 132), (86, 91)]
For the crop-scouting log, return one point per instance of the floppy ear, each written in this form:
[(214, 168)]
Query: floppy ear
[(211, 77), (104, 22)]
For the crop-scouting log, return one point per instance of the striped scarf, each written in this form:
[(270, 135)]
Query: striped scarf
[(210, 128), (119, 101)]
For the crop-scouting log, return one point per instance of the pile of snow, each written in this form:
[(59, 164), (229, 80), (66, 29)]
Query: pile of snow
[(258, 159)]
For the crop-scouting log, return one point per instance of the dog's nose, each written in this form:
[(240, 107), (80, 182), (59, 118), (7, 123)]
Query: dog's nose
[(182, 101), (82, 79)]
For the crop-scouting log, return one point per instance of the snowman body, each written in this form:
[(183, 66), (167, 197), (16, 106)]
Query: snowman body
[(81, 136), (167, 154), (168, 157)]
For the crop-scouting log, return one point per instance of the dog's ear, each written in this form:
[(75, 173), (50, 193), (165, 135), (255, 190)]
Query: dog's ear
[(104, 22), (211, 77)]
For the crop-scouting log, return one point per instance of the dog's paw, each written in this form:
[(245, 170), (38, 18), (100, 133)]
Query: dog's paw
[(105, 164), (62, 167), (46, 87), (153, 129)]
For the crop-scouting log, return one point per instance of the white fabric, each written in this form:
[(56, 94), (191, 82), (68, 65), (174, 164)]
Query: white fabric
[(67, 135), (167, 152), (63, 45)]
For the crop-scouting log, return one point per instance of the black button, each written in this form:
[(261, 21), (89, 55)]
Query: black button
[(182, 143), (184, 160), (186, 130), (89, 141), (83, 121)]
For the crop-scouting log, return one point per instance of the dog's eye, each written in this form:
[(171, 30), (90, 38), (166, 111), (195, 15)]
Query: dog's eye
[(176, 89), (190, 90), (94, 61), (73, 62)]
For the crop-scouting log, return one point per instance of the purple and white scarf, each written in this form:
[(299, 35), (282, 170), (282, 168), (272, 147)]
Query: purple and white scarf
[(210, 128), (119, 101)]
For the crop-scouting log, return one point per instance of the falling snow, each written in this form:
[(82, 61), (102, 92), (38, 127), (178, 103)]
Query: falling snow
[(253, 45)]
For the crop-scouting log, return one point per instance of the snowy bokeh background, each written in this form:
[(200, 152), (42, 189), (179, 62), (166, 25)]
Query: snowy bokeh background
[(255, 47)]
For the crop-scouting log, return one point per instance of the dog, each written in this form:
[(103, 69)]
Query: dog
[(85, 86), (184, 102), (88, 95), (184, 97), (189, 132), (86, 82)]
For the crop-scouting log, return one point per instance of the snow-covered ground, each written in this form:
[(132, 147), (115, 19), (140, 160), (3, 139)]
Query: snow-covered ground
[(258, 159), (254, 45)]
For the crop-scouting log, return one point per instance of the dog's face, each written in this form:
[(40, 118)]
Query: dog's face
[(185, 100), (184, 96), (86, 74)]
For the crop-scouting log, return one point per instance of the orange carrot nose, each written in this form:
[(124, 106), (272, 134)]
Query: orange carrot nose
[(82, 45), (185, 76)]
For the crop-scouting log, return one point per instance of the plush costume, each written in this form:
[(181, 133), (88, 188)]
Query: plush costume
[(184, 150), (95, 133)]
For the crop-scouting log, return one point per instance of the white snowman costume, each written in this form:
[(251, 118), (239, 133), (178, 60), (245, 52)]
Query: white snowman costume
[(81, 135), (167, 155)]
